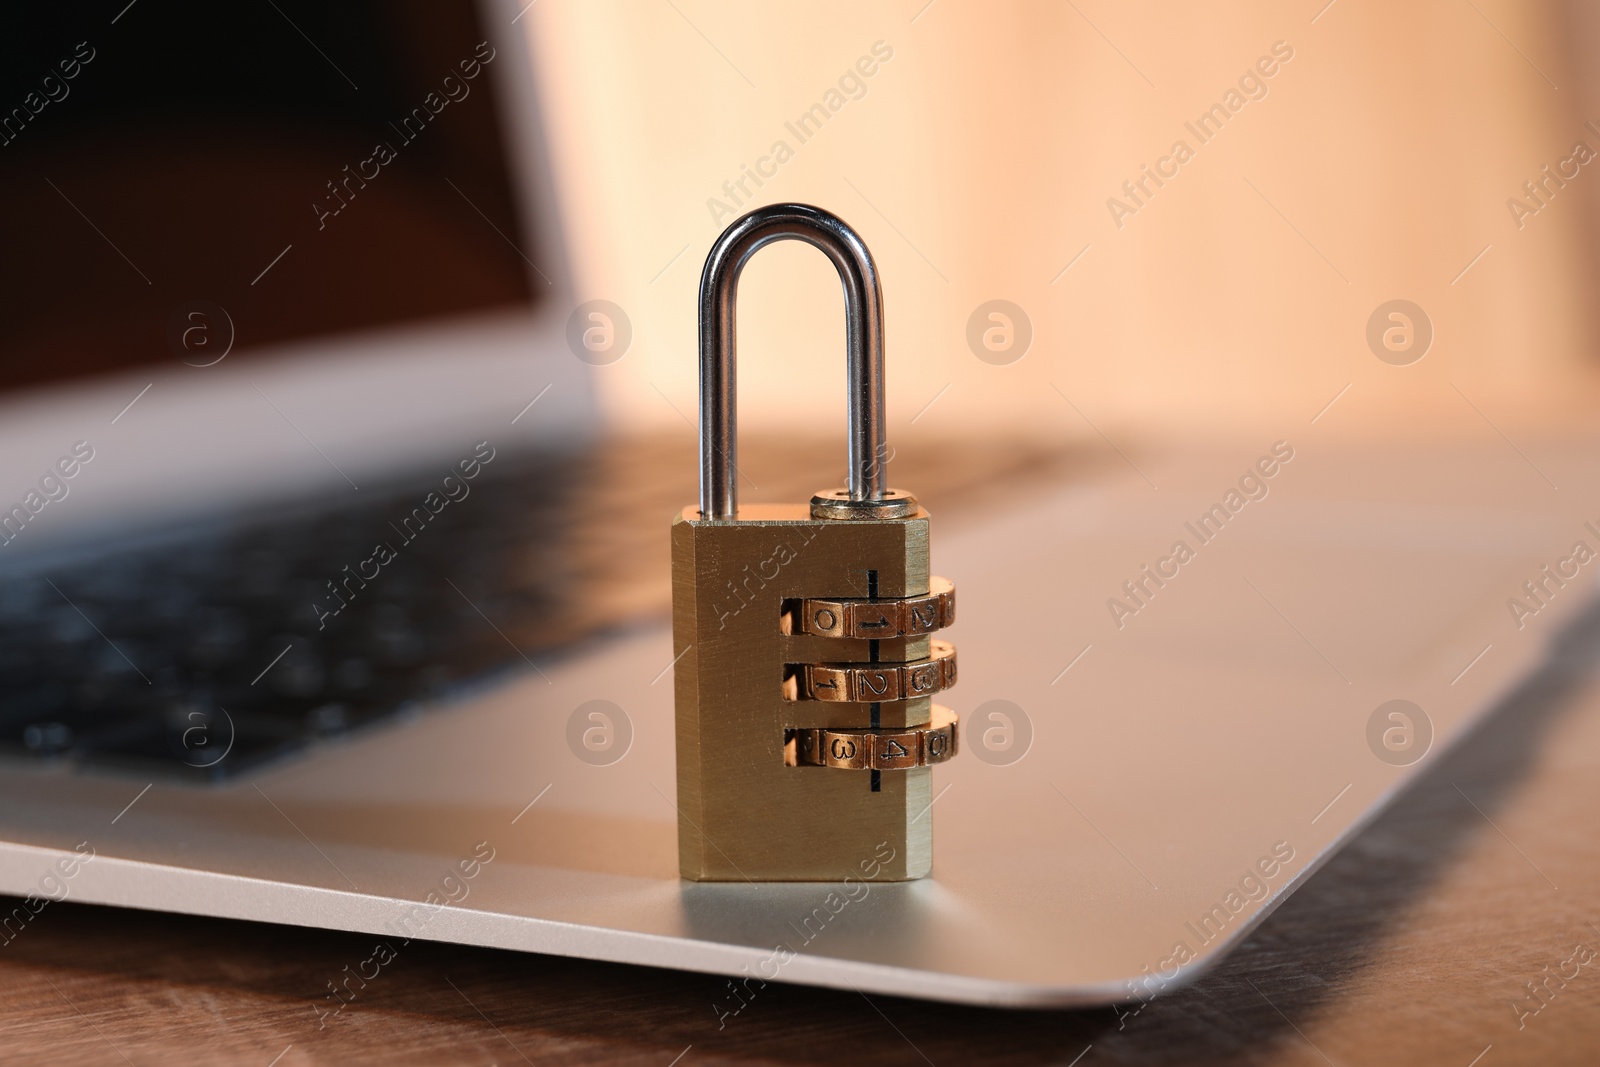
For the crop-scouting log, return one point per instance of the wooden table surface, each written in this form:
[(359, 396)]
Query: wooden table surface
[(1412, 946)]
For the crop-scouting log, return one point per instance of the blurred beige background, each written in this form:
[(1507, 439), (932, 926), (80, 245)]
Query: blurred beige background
[(978, 164)]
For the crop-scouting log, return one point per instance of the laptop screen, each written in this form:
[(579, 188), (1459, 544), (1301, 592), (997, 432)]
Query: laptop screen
[(179, 176)]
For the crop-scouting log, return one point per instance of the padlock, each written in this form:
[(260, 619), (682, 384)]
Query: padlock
[(806, 731)]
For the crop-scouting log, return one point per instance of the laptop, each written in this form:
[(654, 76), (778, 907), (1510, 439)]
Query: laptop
[(347, 628)]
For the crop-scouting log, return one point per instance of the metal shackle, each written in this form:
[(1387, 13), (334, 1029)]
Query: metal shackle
[(863, 311)]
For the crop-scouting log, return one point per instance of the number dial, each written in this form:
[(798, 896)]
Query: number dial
[(867, 683), (875, 750), (875, 620)]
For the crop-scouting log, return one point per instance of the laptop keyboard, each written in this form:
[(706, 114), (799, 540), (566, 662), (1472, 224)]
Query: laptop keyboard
[(204, 653)]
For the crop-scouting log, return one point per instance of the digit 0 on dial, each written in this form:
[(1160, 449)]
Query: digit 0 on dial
[(806, 732)]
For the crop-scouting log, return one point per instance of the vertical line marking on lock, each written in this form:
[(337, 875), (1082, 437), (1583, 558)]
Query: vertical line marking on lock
[(872, 657)]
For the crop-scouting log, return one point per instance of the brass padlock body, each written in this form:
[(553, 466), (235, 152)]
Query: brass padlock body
[(743, 814)]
